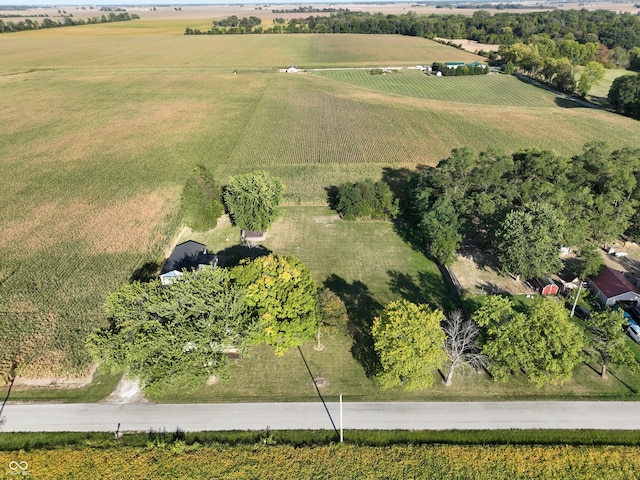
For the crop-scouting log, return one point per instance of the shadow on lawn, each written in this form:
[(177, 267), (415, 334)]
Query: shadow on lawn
[(361, 308), (426, 287)]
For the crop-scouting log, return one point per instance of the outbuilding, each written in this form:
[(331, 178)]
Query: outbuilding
[(545, 286), (612, 286)]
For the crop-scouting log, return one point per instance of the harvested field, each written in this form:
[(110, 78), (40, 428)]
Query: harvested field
[(102, 124)]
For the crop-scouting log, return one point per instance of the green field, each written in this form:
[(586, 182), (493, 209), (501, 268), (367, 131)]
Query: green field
[(101, 125)]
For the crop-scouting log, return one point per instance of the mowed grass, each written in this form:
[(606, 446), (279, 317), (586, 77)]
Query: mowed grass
[(102, 124), (368, 266), (493, 89)]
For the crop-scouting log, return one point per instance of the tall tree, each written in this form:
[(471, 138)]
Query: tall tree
[(409, 341), (283, 297), (609, 340), (174, 337), (461, 345), (253, 200), (541, 342), (528, 241), (201, 200)]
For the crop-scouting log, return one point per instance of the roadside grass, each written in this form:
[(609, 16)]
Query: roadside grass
[(94, 441), (100, 387)]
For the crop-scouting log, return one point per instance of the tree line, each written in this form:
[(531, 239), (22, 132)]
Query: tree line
[(525, 205), (68, 21), (605, 27)]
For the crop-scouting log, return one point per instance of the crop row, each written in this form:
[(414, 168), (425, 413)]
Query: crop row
[(178, 460)]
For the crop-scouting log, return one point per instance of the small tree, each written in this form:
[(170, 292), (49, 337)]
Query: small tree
[(461, 345), (283, 297), (609, 340), (253, 200), (592, 74), (409, 342), (201, 200), (332, 314)]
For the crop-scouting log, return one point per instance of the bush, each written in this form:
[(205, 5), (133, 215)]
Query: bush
[(367, 200)]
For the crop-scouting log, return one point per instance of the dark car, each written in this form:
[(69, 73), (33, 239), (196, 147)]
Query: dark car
[(582, 312)]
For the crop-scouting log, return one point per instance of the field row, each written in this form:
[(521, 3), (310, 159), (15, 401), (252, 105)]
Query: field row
[(177, 460), (493, 89)]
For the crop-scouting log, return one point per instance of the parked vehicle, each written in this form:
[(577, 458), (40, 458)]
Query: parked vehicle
[(582, 313), (634, 332)]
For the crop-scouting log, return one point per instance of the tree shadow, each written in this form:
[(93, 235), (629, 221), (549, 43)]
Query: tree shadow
[(361, 308), (567, 103), (146, 272), (398, 181), (233, 255), (332, 196), (427, 287)]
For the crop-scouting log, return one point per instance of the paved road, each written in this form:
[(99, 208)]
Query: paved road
[(299, 416)]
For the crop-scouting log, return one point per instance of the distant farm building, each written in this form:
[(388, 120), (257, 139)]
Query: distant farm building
[(612, 286), (291, 69), (189, 255), (545, 286)]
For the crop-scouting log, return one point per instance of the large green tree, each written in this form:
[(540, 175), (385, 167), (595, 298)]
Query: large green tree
[(201, 200), (253, 200), (528, 241), (283, 297), (543, 343), (624, 95), (608, 339), (174, 337), (366, 199), (409, 341)]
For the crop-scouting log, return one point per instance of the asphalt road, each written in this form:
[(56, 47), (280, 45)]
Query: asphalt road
[(300, 416)]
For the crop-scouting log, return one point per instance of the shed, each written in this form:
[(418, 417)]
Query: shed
[(453, 64), (477, 64), (545, 286), (612, 286), (291, 69), (251, 236), (188, 255)]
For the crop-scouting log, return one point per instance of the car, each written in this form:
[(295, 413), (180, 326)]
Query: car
[(634, 332), (581, 312)]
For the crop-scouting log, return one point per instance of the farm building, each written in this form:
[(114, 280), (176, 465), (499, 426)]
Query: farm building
[(189, 255), (545, 286), (453, 64), (612, 286), (291, 69), (477, 64)]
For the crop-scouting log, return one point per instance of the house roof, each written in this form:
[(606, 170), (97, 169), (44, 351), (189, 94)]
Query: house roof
[(187, 255), (613, 283)]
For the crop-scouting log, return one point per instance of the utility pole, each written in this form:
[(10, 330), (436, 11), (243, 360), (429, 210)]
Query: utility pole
[(341, 432), (573, 309)]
